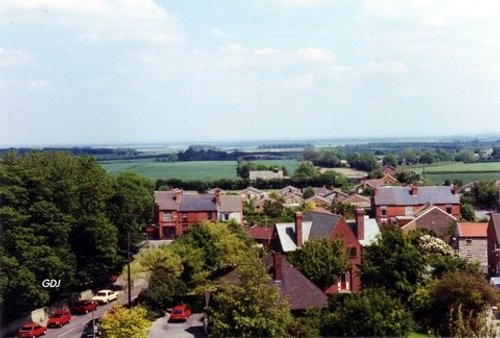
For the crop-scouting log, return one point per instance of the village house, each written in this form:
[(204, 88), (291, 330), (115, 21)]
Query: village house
[(289, 190), (358, 201), (429, 217), (318, 201), (261, 235), (371, 184), (472, 243), (176, 211), (493, 232), (265, 174), (316, 225), (251, 193), (391, 202)]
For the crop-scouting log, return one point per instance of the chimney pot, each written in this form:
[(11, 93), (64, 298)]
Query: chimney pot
[(217, 197), (414, 190), (360, 223), (178, 196)]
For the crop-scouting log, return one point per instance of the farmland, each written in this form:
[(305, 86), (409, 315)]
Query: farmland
[(195, 170), (465, 172)]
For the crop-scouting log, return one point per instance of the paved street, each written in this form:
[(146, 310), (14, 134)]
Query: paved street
[(193, 327)]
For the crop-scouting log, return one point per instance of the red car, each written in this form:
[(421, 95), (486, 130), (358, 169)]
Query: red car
[(31, 330), (84, 306), (59, 318), (180, 313)]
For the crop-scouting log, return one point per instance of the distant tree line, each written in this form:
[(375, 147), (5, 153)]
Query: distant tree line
[(243, 168), (100, 153), (63, 217), (284, 145), (305, 176)]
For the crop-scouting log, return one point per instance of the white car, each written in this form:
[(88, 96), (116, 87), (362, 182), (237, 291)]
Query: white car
[(105, 296)]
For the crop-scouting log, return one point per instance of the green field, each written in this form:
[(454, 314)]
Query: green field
[(196, 170), (465, 172)]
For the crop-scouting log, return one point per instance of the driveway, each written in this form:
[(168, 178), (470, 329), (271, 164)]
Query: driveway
[(193, 327)]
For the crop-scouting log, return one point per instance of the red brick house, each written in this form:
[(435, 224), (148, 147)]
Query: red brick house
[(316, 225), (261, 235), (431, 218), (176, 211), (493, 233), (391, 202), (472, 243)]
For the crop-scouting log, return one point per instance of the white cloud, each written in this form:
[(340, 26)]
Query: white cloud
[(239, 56), (96, 21), (11, 58), (390, 68), (305, 81), (217, 32), (301, 3), (39, 86)]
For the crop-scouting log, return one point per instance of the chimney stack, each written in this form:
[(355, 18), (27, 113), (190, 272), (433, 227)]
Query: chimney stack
[(454, 189), (217, 197), (374, 192), (278, 266), (360, 223), (414, 190), (298, 229), (178, 196)]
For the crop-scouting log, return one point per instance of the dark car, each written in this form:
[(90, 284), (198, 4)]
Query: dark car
[(92, 328), (84, 306), (59, 318), (31, 330), (180, 313)]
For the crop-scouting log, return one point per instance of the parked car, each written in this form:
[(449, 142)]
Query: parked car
[(59, 318), (92, 328), (180, 313), (105, 296), (84, 306), (31, 330)]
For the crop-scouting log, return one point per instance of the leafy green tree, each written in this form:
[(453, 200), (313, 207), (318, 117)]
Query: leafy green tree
[(485, 193), (122, 322), (427, 157), (410, 156), (434, 303), (250, 308), (201, 237), (164, 291), (371, 313), (308, 192), (305, 169), (467, 212), (273, 208), (322, 261), (130, 209), (390, 159), (344, 209), (393, 263)]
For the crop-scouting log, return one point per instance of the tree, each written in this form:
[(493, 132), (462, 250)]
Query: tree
[(250, 308), (322, 261), (305, 169), (308, 192), (436, 303), (390, 159), (467, 212), (122, 322), (272, 208), (410, 156), (164, 291), (369, 313), (393, 263)]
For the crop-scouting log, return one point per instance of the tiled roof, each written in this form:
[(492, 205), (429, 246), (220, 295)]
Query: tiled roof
[(289, 189), (495, 220), (297, 288), (403, 196), (375, 182), (200, 202), (322, 224), (321, 191), (286, 234), (165, 200), (472, 229), (257, 232), (230, 203)]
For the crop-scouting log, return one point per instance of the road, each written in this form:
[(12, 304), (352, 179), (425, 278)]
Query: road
[(193, 327)]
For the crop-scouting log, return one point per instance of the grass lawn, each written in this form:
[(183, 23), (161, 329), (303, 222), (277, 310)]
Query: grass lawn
[(195, 170), (413, 334), (465, 172)]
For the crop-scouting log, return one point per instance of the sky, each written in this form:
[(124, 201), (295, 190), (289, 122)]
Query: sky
[(83, 72)]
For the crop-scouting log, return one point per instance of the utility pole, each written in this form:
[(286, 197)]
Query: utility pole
[(93, 323), (129, 282)]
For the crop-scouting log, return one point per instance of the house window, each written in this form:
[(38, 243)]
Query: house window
[(352, 252), (167, 217), (468, 253), (448, 209), (468, 241), (383, 210), (408, 211), (184, 216)]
